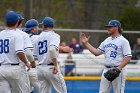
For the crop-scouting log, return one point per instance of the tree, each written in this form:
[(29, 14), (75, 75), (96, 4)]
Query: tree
[(131, 18)]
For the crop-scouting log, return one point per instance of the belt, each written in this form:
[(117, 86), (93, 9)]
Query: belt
[(50, 64), (110, 66), (10, 64)]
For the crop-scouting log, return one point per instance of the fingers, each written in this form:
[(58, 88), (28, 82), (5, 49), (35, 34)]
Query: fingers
[(71, 50), (33, 64), (88, 37), (28, 69), (28, 66), (55, 70), (82, 35)]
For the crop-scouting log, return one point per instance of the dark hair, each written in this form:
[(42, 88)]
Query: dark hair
[(10, 24), (120, 30), (29, 31), (19, 22), (48, 27)]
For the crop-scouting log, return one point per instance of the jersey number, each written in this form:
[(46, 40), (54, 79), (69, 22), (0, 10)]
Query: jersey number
[(113, 54), (4, 46), (42, 47)]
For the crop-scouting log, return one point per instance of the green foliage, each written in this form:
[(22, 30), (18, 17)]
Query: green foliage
[(131, 18)]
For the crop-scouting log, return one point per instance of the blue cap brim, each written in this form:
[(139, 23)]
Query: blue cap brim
[(27, 29), (108, 25)]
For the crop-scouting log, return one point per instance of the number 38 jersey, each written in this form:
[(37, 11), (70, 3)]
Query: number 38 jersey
[(42, 45), (11, 42), (115, 49)]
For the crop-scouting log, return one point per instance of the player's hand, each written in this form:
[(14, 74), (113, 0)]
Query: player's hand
[(67, 49), (33, 65), (28, 66), (55, 70), (84, 38)]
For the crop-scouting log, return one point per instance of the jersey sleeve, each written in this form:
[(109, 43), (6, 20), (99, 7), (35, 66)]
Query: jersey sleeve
[(27, 42), (126, 48), (101, 48), (19, 44), (55, 41)]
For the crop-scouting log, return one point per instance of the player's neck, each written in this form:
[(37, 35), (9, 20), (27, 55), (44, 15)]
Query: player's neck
[(48, 28), (115, 35), (12, 27)]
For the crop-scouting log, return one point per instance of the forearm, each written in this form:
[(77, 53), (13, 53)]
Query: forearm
[(53, 55), (22, 57), (92, 49), (29, 55), (54, 61), (125, 61), (66, 49)]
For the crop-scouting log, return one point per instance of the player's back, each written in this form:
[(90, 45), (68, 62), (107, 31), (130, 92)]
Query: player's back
[(33, 38), (42, 45), (8, 46), (27, 41), (24, 35)]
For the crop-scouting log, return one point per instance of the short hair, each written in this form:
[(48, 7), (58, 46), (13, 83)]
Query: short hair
[(11, 24)]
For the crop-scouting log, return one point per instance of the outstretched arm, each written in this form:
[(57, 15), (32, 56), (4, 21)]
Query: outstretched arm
[(66, 49), (84, 40)]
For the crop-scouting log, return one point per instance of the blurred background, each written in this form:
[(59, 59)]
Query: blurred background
[(79, 14), (89, 16)]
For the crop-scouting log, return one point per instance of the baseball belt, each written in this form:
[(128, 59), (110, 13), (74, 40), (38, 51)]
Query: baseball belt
[(50, 64), (10, 64), (110, 66)]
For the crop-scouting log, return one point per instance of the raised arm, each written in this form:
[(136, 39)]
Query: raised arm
[(84, 40)]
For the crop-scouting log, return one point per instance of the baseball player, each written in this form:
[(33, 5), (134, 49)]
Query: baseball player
[(117, 55), (46, 51), (31, 27), (12, 74), (28, 47)]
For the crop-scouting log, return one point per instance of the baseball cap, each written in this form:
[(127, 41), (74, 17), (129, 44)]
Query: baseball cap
[(11, 17), (115, 23), (30, 24), (48, 21), (20, 16)]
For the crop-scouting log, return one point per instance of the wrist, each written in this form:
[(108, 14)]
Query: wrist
[(25, 62), (120, 68), (86, 43)]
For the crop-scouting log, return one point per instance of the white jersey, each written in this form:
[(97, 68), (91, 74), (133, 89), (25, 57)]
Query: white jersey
[(11, 42), (42, 45), (27, 42), (33, 38), (115, 49)]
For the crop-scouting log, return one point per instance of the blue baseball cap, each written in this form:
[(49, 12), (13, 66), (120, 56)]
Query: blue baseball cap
[(30, 24), (112, 23), (48, 21), (20, 16), (11, 17)]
